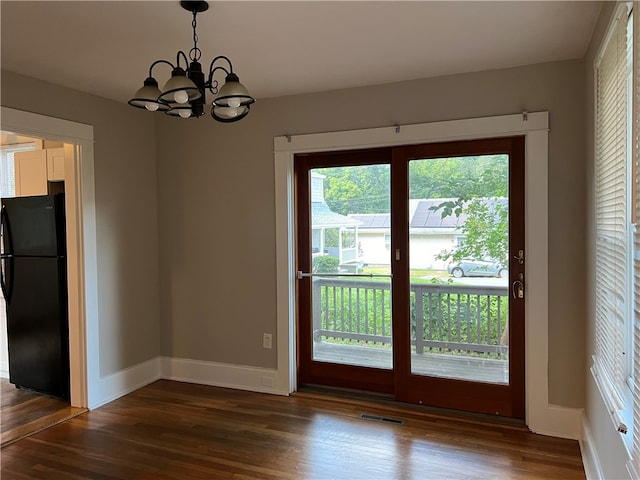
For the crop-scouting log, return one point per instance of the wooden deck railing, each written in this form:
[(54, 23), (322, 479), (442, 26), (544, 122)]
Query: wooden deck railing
[(445, 318)]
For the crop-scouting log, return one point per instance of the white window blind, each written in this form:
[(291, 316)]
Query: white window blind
[(611, 207), (635, 454), (611, 368), (7, 167)]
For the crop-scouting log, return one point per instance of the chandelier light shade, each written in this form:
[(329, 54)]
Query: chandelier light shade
[(147, 97), (179, 88), (184, 94), (232, 101)]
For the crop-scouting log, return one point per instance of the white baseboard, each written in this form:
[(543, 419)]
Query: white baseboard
[(240, 377), (125, 381), (4, 369), (590, 459), (557, 421)]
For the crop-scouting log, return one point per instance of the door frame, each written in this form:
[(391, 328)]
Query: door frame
[(540, 415), (81, 243), (398, 379)]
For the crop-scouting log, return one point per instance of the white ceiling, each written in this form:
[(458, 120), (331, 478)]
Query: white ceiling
[(283, 48)]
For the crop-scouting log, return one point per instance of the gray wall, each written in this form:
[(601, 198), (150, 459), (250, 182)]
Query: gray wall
[(216, 203), (126, 214), (607, 442), (210, 215)]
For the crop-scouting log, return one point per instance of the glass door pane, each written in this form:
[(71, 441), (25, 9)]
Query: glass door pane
[(458, 262), (350, 260)]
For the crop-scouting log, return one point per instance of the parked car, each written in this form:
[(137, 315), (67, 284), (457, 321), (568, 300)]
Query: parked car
[(477, 268)]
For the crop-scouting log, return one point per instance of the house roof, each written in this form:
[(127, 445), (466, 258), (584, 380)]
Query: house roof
[(422, 215), (322, 216), (372, 220)]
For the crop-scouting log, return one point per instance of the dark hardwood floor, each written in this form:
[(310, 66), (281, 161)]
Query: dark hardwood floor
[(171, 430), (24, 413)]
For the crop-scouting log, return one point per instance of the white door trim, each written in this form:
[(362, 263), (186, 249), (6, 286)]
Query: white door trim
[(81, 238), (534, 126)]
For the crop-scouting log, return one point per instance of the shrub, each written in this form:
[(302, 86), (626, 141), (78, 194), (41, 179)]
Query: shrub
[(325, 264)]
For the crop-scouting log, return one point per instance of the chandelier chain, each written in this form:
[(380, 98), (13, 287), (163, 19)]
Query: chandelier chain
[(195, 53)]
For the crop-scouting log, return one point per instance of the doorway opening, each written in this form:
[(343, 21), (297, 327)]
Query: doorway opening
[(33, 167), (29, 166), (81, 244), (540, 415), (404, 256)]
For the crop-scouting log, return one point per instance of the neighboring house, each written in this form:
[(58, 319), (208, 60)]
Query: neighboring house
[(332, 233), (430, 233), (374, 238)]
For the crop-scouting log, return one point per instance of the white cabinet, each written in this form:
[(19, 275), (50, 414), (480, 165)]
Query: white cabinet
[(35, 168), (31, 173), (55, 164)]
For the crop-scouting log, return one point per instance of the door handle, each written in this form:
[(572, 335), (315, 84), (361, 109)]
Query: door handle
[(3, 258), (517, 288)]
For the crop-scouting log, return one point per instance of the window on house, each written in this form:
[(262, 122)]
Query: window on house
[(614, 295)]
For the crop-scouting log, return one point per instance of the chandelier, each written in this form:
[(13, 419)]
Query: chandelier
[(184, 94)]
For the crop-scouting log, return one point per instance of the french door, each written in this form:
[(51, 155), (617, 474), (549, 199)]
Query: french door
[(410, 265)]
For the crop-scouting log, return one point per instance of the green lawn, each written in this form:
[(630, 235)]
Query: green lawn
[(416, 274)]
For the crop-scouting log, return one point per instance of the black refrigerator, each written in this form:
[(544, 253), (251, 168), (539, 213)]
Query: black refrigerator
[(34, 284)]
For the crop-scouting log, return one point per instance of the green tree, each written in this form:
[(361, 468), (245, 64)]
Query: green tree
[(459, 177), (359, 189), (365, 188), (486, 231), (477, 188)]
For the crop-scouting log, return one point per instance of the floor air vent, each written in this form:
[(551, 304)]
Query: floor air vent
[(378, 418)]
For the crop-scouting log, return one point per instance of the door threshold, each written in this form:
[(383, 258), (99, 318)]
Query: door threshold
[(347, 393), (388, 401)]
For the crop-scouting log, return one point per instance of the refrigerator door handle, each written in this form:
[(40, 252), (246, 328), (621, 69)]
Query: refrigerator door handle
[(6, 258), (3, 285)]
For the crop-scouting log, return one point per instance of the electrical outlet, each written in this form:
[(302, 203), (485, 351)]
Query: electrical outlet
[(266, 340)]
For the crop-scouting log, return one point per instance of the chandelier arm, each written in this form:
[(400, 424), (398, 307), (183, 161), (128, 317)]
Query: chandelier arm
[(157, 62), (186, 59), (210, 81), (220, 57), (212, 86)]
